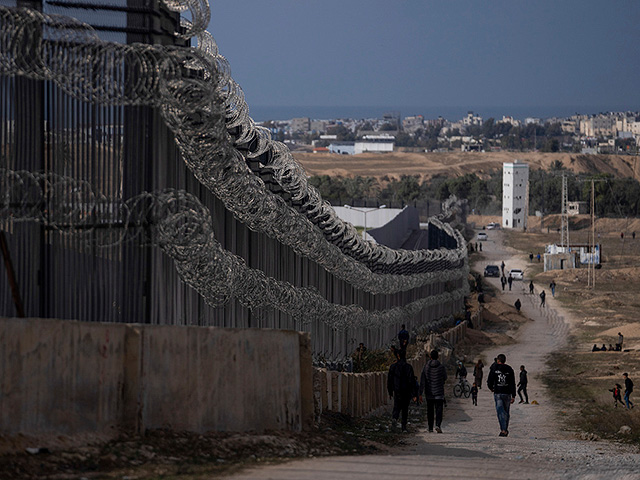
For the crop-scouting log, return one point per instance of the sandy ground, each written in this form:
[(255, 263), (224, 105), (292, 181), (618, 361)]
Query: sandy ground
[(537, 447), (427, 165), (604, 226)]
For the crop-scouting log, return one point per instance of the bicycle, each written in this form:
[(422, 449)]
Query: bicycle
[(463, 387)]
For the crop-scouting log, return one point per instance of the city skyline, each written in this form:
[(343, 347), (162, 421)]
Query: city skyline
[(377, 53)]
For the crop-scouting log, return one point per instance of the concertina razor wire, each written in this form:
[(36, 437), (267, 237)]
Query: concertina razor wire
[(255, 177), (178, 223)]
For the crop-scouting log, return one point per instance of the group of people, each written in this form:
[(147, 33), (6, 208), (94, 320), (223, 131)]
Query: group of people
[(617, 348), (402, 386), (628, 390)]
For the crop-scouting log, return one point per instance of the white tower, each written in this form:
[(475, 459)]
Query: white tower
[(515, 195)]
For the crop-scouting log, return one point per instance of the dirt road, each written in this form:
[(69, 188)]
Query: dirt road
[(469, 447)]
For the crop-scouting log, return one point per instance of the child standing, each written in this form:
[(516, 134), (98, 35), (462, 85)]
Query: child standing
[(474, 394), (616, 395)]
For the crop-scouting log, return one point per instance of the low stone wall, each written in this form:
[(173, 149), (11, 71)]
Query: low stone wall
[(359, 394), (68, 377)]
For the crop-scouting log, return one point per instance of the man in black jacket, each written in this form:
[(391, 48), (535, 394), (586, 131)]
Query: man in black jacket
[(403, 337), (628, 388), (502, 382), (400, 385), (522, 385), (432, 384)]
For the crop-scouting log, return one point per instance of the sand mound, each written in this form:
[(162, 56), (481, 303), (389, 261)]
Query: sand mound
[(630, 330), (427, 165)]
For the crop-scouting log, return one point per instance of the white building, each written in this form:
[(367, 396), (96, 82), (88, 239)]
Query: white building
[(515, 195), (374, 143)]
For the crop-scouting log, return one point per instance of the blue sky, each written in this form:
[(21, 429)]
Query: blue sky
[(424, 52)]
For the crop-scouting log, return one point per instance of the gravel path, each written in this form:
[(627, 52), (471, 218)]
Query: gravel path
[(470, 447)]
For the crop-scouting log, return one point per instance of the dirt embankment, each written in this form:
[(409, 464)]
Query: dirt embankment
[(427, 165), (604, 226)]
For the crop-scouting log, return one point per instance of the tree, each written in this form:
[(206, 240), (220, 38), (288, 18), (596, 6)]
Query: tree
[(343, 133), (551, 145)]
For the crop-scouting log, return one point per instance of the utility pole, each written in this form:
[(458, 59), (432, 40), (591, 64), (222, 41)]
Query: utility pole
[(591, 271), (564, 228), (591, 266)]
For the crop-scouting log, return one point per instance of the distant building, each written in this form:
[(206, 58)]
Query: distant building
[(300, 125), (598, 126), (515, 195), (472, 119), (510, 120), (343, 148), (435, 122), (470, 144), (375, 143), (413, 123), (318, 126), (569, 126), (368, 143), (576, 208), (532, 121)]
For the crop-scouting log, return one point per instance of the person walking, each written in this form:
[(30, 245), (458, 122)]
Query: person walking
[(518, 305), (531, 258), (531, 287), (522, 385), (403, 337), (510, 280), (400, 384), (501, 381), (478, 373), (543, 297), (502, 267), (619, 344), (628, 389), (474, 394), (432, 384), (552, 286), (538, 258), (503, 281), (461, 371), (616, 395)]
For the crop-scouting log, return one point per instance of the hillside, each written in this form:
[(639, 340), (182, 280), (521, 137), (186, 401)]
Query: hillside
[(427, 165)]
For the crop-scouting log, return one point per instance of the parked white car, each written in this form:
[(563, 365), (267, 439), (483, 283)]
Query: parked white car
[(482, 236), (492, 226), (516, 274)]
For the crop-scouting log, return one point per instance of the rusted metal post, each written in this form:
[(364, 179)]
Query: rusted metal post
[(11, 276)]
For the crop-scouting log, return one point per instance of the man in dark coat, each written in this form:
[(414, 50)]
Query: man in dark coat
[(502, 382), (400, 385), (403, 337), (522, 385), (432, 384), (628, 389)]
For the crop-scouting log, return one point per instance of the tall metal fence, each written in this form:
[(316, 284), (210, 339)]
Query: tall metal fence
[(122, 151)]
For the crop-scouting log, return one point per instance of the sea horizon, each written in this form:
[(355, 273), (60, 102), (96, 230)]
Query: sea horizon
[(264, 113)]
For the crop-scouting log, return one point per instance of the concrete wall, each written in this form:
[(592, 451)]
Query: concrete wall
[(375, 217), (394, 233), (60, 376)]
